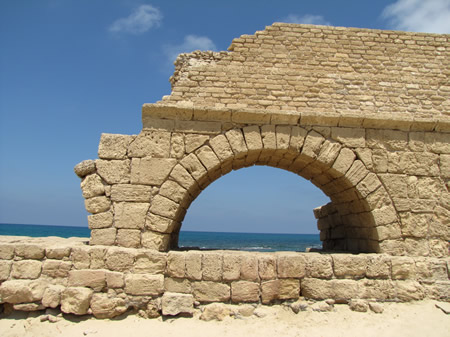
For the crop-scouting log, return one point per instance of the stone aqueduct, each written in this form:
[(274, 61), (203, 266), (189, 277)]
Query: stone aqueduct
[(363, 114)]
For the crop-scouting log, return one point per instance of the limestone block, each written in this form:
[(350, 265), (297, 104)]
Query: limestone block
[(151, 171), (378, 267), (22, 291), (215, 311), (144, 284), (437, 142), (76, 300), (312, 145), (252, 136), (97, 204), (198, 127), (403, 268), (349, 266), (154, 144), (114, 279), (379, 289), (391, 140), (113, 146), (231, 267), (130, 238), (92, 186), (280, 290), (368, 184), (244, 291), (329, 152), (104, 306), (444, 163), (356, 172), (150, 262), (103, 236), (283, 135), (94, 279), (208, 157), (175, 303), (193, 165), (84, 168), (193, 262), (237, 142), (119, 259), (130, 215), (350, 137), (416, 163), (172, 190), (344, 161), (184, 178), (319, 266), (249, 267), (269, 137), (160, 224), (384, 215), (409, 291), (154, 240), (358, 305), (297, 138), (52, 296), (212, 267), (57, 252), (317, 289), (5, 269), (80, 257), (176, 264), (194, 141), (267, 267), (221, 147), (346, 289), (208, 291), (97, 257), (133, 193), (177, 285), (177, 145), (291, 265), (114, 171), (6, 251), (165, 207), (415, 224), (30, 251), (100, 220), (26, 269), (56, 268)]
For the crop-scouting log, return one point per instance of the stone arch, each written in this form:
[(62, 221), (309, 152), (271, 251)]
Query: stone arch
[(360, 217)]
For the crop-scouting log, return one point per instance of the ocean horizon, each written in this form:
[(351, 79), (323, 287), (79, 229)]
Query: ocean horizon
[(263, 242)]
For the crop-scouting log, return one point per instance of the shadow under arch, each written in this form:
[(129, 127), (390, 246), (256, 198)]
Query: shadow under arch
[(358, 218)]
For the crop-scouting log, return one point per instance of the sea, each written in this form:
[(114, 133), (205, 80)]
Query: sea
[(261, 242)]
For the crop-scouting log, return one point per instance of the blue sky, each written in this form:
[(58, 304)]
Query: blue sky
[(72, 69)]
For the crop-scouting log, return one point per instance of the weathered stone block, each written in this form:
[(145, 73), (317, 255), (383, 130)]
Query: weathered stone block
[(297, 139), (151, 171), (184, 178), (154, 240), (378, 266), (172, 190), (92, 186), (104, 306), (94, 279), (403, 268), (56, 268), (6, 251), (84, 168), (114, 171), (26, 269), (193, 265), (317, 289), (284, 289), (30, 251), (344, 161), (249, 267), (244, 291), (150, 143), (269, 137), (208, 291), (174, 304), (57, 252), (267, 267), (207, 157), (52, 296), (409, 291), (349, 266), (144, 284), (319, 266), (114, 279), (130, 215), (119, 259), (100, 220), (160, 224), (130, 238), (165, 207), (133, 193), (237, 142), (103, 236), (76, 300), (212, 267), (97, 204), (113, 146), (221, 147), (194, 141), (312, 145), (350, 137), (80, 257), (177, 285), (291, 265), (5, 269), (22, 291), (176, 264)]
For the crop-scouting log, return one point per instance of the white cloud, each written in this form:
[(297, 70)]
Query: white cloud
[(430, 16), (139, 21), (190, 43), (306, 19)]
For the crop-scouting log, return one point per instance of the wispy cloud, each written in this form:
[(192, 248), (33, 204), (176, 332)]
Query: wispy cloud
[(190, 43), (430, 16), (306, 19), (139, 21)]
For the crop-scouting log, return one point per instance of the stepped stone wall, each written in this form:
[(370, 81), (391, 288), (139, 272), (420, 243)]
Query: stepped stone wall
[(363, 114), (107, 281)]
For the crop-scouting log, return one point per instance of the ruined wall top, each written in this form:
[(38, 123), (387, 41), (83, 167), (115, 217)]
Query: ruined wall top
[(320, 70)]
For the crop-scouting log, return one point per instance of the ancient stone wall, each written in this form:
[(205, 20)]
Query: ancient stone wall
[(107, 281)]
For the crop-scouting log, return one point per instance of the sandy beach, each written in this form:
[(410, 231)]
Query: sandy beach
[(398, 319)]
